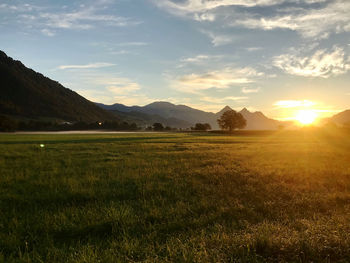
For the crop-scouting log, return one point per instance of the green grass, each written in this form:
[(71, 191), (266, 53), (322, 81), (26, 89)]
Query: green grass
[(172, 197)]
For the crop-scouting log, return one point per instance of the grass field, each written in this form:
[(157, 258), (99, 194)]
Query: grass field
[(172, 197)]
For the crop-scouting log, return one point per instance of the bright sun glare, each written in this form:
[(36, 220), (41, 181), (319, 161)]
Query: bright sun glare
[(306, 117)]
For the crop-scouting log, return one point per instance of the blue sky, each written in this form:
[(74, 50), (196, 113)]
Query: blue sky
[(276, 56)]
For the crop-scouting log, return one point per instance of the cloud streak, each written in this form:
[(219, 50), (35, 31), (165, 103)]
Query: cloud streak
[(83, 19), (247, 90), (199, 7), (319, 23), (220, 79), (46, 19), (224, 99), (87, 66), (310, 18), (294, 103)]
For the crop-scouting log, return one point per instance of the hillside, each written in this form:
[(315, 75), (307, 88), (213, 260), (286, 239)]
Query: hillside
[(26, 93), (341, 118)]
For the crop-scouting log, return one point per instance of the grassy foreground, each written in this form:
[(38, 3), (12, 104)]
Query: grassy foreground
[(175, 198)]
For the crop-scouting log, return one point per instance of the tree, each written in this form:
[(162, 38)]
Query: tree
[(231, 120), (202, 127), (158, 126)]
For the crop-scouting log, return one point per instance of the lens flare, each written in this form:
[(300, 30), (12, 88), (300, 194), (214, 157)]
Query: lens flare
[(306, 117)]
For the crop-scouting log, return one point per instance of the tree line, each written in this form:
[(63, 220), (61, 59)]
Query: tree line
[(8, 125), (229, 120)]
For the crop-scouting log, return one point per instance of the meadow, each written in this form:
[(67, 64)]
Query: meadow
[(175, 197)]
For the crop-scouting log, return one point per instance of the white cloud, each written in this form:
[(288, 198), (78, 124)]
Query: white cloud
[(120, 52), (219, 39), (122, 86), (19, 7), (223, 100), (201, 6), (247, 90), (87, 66), (48, 32), (252, 49), (108, 89), (196, 59), (222, 79), (204, 17), (322, 63), (133, 44), (302, 16), (83, 19), (310, 23), (294, 103), (199, 59)]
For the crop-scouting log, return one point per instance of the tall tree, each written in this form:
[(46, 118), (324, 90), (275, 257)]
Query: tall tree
[(231, 120)]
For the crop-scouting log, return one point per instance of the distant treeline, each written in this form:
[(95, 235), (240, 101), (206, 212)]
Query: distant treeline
[(9, 125)]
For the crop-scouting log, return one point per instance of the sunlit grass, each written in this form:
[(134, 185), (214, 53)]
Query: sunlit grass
[(281, 196)]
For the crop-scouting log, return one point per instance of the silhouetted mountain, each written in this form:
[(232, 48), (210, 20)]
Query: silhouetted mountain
[(179, 116), (226, 108), (255, 120), (119, 107), (341, 118), (26, 93), (182, 116), (258, 121), (139, 116), (169, 110)]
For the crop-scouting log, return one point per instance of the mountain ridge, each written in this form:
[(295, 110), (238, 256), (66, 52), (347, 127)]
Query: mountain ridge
[(29, 94), (255, 120), (341, 118)]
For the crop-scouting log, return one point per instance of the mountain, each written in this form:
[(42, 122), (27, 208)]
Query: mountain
[(136, 114), (28, 94), (179, 116), (341, 118), (255, 120), (218, 114), (258, 121), (169, 110), (182, 116)]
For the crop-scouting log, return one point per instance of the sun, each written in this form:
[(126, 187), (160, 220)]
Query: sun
[(306, 117)]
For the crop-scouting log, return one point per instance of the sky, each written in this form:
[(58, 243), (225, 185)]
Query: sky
[(275, 56)]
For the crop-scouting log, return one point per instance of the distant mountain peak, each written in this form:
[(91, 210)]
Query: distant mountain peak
[(245, 110), (163, 103), (226, 108)]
